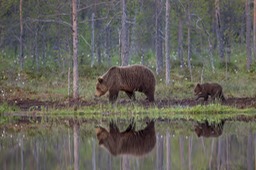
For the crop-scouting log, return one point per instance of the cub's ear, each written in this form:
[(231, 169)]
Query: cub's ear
[(100, 79), (198, 85)]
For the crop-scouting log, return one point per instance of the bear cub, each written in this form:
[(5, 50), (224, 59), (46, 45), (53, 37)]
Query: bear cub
[(209, 89)]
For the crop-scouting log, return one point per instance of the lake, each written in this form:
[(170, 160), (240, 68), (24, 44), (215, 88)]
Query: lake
[(178, 144)]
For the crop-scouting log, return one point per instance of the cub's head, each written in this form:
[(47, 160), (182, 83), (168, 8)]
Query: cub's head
[(101, 87), (102, 134), (198, 89)]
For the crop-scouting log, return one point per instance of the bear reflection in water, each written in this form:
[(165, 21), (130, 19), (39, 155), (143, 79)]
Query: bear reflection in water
[(128, 142), (209, 130)]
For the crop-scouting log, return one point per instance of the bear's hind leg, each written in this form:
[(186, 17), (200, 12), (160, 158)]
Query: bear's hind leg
[(131, 95), (150, 96)]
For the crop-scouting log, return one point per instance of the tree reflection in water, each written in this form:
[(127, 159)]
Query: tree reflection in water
[(175, 145)]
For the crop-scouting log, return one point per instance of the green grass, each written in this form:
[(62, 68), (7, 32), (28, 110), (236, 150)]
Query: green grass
[(212, 112)]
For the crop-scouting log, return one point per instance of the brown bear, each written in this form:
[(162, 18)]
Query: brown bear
[(207, 130), (206, 89), (129, 142), (128, 79)]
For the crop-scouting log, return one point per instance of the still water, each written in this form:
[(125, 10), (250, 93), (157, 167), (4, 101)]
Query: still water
[(170, 145)]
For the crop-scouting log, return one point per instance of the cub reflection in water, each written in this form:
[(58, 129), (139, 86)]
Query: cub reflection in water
[(207, 130), (136, 143)]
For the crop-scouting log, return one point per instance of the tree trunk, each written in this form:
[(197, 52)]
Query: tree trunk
[(21, 52), (92, 41), (182, 156), (36, 55), (133, 49), (210, 51), (190, 147), (125, 163), (75, 49), (254, 29), (248, 35), (159, 152), (21, 141), (124, 36), (219, 30), (250, 154), (168, 151), (76, 145), (158, 44), (167, 43), (189, 39), (108, 44), (180, 41), (99, 51)]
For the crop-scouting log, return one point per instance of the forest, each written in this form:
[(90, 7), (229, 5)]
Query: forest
[(53, 52), (184, 42)]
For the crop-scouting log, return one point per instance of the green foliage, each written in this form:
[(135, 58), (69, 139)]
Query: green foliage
[(230, 66), (5, 108), (92, 72)]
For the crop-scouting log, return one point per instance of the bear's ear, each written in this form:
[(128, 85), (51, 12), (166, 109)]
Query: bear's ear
[(198, 85), (100, 79)]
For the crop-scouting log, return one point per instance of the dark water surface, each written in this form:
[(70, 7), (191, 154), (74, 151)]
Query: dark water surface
[(179, 145)]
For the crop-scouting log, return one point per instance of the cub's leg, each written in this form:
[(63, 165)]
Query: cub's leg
[(205, 96)]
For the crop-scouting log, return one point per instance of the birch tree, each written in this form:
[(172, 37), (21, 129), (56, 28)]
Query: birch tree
[(75, 49), (189, 39), (76, 129), (167, 43), (124, 36), (254, 29), (21, 53), (158, 43), (168, 151), (219, 30), (180, 41), (248, 35), (92, 41)]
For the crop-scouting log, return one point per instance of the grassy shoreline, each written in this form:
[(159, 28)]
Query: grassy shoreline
[(211, 113)]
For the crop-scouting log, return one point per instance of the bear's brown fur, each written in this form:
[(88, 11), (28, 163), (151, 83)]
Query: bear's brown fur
[(207, 130), (209, 89), (128, 79), (130, 142)]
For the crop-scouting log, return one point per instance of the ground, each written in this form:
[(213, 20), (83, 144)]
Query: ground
[(28, 104)]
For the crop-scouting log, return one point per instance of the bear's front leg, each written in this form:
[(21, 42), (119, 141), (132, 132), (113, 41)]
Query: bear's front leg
[(113, 94)]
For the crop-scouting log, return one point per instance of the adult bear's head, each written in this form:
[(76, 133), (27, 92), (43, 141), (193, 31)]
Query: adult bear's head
[(101, 87)]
